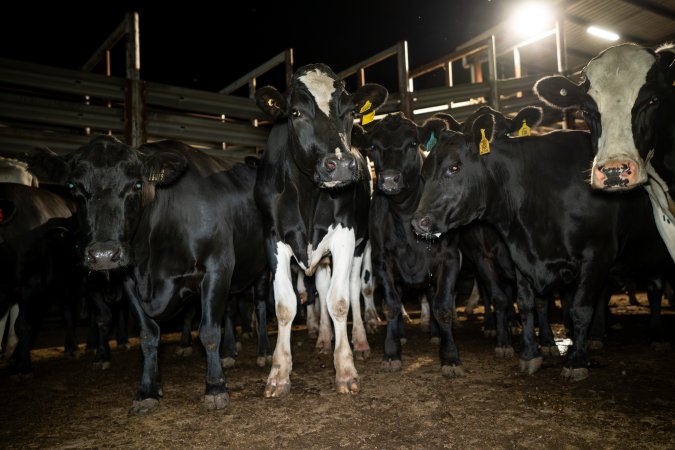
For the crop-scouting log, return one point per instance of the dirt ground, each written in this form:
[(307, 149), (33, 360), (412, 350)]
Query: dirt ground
[(628, 402)]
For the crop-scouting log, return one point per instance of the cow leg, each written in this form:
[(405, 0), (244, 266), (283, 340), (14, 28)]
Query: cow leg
[(493, 293), (103, 321), (261, 292), (393, 313), (581, 313), (149, 391), (546, 339), (228, 343), (322, 279), (9, 321), (443, 306), (530, 357), (122, 324), (286, 305), (244, 315), (425, 314), (655, 295), (359, 339), (372, 319), (490, 324), (313, 316), (598, 327), (337, 303), (70, 342)]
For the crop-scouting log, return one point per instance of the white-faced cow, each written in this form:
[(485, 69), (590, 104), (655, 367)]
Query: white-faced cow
[(560, 234), (313, 193), (628, 101), (179, 223)]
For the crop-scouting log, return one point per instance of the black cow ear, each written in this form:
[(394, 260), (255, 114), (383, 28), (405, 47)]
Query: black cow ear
[(163, 167), (368, 98), (451, 123), (430, 131), (483, 132), (559, 92), (526, 119), (46, 165), (666, 59), (270, 101)]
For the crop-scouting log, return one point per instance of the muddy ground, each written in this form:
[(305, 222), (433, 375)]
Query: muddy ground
[(628, 401)]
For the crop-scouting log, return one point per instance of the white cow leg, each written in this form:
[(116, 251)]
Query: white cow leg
[(359, 339), (286, 304), (322, 279), (342, 250), (12, 338)]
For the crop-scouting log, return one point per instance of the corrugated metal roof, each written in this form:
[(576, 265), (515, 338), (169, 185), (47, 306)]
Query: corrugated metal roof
[(647, 22)]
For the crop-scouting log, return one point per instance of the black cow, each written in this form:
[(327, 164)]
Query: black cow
[(628, 101), (38, 262), (310, 189), (180, 223), (561, 235)]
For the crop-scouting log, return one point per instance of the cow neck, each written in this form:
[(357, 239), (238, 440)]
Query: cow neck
[(406, 201), (663, 159), (495, 195)]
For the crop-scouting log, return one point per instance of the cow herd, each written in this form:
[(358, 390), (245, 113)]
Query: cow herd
[(169, 230)]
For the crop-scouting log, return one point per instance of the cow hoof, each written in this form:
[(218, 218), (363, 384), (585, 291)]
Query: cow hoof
[(452, 371), (490, 333), (532, 365), (504, 352), (393, 365), (661, 346), (218, 401), (549, 350), (237, 346), (227, 363), (102, 365), (143, 407), (595, 344), (435, 340), (404, 341), (274, 390), (574, 374), (515, 331), (362, 355), (184, 351), (348, 387)]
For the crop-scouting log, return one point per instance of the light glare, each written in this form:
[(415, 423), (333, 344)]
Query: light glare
[(604, 34), (531, 18)]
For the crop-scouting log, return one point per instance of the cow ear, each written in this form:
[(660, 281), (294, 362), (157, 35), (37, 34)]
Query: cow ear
[(430, 131), (666, 59), (559, 92), (527, 118), (270, 101), (163, 167), (483, 132), (368, 98), (46, 165), (451, 123)]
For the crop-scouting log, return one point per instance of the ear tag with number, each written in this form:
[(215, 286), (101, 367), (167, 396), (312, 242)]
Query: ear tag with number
[(484, 146), (524, 130)]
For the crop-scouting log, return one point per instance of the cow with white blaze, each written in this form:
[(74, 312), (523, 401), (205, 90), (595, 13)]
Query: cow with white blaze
[(628, 101), (313, 192)]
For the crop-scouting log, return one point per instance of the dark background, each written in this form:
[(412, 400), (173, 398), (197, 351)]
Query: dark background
[(207, 45)]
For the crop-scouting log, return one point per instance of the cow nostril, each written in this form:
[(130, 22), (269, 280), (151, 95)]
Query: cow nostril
[(397, 178), (330, 165), (352, 164), (91, 258), (116, 256), (425, 222)]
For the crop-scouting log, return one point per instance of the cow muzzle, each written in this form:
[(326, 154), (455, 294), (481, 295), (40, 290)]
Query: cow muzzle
[(390, 181), (617, 175), (424, 226), (337, 170), (105, 256)]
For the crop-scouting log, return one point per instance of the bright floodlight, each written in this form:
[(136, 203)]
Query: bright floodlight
[(604, 34), (531, 18)]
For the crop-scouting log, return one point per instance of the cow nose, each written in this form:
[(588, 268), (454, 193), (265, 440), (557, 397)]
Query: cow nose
[(330, 164), (422, 224), (105, 256)]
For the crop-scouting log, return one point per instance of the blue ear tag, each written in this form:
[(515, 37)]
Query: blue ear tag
[(431, 142)]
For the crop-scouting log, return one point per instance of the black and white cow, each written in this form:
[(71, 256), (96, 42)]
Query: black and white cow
[(560, 234), (628, 101), (180, 223), (313, 193)]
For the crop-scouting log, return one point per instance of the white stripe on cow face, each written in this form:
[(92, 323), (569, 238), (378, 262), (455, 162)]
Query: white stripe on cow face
[(321, 86), (615, 80)]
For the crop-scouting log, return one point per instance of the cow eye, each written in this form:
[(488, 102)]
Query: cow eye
[(138, 186), (454, 168), (71, 185), (296, 113), (414, 144)]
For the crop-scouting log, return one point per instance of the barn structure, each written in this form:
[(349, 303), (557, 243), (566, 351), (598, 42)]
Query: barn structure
[(61, 108)]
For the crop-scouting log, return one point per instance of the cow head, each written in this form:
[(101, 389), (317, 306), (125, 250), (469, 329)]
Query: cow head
[(396, 146), (111, 183), (455, 181), (620, 98), (320, 114)]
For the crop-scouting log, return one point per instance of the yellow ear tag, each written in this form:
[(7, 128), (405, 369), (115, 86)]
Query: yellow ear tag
[(484, 146), (366, 106), (368, 118), (524, 130)]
